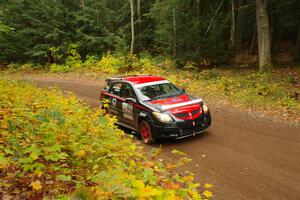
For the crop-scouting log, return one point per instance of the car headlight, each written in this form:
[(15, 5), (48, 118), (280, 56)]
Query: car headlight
[(205, 108), (162, 117)]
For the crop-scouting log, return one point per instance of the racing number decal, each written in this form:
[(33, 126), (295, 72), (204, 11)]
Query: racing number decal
[(127, 110), (114, 102), (113, 106)]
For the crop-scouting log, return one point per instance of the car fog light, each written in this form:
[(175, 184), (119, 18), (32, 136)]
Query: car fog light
[(205, 108)]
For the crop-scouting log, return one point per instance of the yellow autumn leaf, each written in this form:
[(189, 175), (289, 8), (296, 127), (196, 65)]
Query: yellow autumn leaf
[(138, 184), (4, 126), (103, 195), (80, 153), (132, 163), (95, 167), (171, 195), (4, 163), (207, 185), (38, 173), (150, 191), (36, 185), (169, 166), (195, 195), (132, 147), (187, 178), (207, 194), (88, 148)]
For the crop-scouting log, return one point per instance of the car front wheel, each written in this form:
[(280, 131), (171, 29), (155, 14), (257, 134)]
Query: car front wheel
[(145, 132)]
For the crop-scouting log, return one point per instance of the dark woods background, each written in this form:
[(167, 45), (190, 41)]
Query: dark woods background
[(202, 31)]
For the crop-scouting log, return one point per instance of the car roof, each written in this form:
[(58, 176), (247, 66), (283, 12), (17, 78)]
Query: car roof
[(138, 79)]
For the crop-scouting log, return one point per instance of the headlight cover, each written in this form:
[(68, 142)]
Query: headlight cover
[(205, 108), (162, 117)]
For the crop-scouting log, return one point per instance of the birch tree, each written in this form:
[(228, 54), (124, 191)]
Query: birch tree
[(174, 30), (132, 27)]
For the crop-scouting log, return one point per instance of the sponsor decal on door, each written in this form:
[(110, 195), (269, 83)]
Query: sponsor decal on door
[(127, 110)]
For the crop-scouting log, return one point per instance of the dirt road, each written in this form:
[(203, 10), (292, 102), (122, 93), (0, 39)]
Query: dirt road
[(243, 157)]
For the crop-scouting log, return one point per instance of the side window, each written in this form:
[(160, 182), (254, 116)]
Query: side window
[(115, 89), (127, 91)]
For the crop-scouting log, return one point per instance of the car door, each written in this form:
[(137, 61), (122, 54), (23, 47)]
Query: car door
[(128, 108), (115, 101)]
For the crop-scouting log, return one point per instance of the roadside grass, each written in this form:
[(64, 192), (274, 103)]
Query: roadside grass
[(275, 91), (53, 146)]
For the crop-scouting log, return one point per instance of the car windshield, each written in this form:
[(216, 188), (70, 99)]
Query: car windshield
[(158, 91)]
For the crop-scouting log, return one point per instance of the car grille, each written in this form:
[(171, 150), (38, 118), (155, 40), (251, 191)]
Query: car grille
[(182, 115), (195, 112), (187, 115)]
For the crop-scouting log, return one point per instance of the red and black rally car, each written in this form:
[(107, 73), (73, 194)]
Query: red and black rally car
[(155, 108)]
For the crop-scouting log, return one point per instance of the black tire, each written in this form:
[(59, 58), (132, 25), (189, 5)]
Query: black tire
[(146, 132)]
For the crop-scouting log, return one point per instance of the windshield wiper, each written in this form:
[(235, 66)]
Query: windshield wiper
[(172, 95)]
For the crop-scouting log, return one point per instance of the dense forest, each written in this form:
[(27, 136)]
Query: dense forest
[(205, 32)]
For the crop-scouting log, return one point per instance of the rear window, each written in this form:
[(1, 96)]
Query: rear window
[(127, 91), (115, 89)]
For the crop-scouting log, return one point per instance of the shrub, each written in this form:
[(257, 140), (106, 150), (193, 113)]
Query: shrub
[(73, 59), (57, 68), (110, 63), (14, 66), (91, 61), (210, 74), (288, 102), (190, 66), (30, 66), (53, 146)]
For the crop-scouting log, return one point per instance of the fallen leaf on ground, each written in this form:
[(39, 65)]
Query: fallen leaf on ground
[(36, 185)]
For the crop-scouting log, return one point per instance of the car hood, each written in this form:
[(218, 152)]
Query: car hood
[(181, 106), (172, 100)]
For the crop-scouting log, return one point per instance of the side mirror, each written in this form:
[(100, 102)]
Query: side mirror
[(130, 100), (183, 90)]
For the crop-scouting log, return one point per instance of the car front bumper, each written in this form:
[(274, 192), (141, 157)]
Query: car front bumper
[(182, 128)]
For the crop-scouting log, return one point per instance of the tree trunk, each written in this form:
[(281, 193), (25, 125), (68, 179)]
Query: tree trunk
[(253, 41), (132, 27), (138, 28), (174, 31), (82, 3), (199, 7), (233, 25), (212, 19), (97, 15), (139, 10), (239, 22), (297, 48), (263, 35)]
